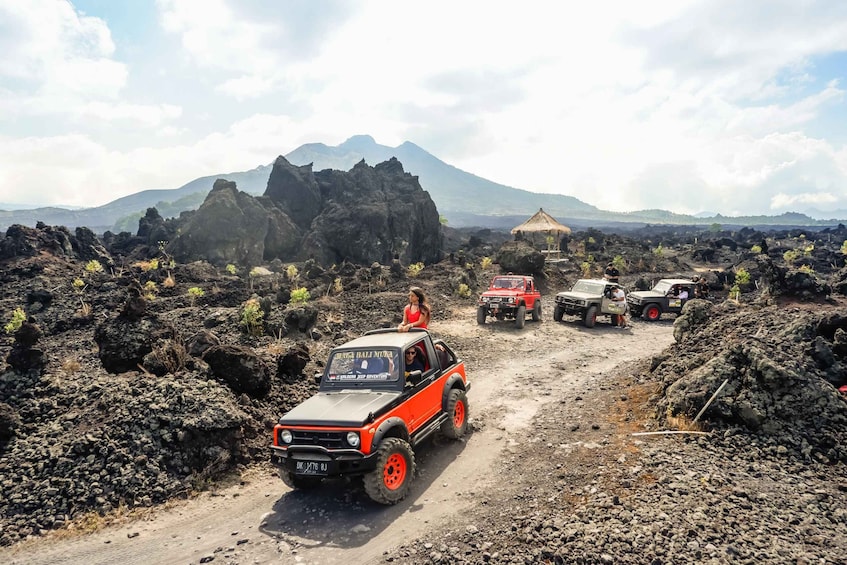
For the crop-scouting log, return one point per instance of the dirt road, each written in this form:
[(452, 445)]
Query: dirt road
[(513, 373)]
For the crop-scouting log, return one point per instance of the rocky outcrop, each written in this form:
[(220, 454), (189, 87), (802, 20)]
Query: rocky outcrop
[(368, 214), (520, 257), (779, 364), (230, 227)]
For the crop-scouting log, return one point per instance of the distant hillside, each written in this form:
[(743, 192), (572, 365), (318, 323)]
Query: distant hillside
[(462, 198)]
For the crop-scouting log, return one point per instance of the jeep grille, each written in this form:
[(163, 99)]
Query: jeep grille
[(330, 440)]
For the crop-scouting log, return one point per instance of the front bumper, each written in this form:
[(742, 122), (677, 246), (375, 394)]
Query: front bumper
[(317, 461)]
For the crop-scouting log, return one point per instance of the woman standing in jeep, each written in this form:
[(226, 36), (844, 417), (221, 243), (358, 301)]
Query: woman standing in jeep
[(416, 313)]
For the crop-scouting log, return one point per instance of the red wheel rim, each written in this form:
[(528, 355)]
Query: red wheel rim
[(394, 472), (653, 313), (459, 415)]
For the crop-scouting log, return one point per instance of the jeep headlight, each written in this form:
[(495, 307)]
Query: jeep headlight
[(353, 439), (285, 436), (510, 300)]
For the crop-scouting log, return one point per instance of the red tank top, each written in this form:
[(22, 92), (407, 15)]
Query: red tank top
[(413, 317)]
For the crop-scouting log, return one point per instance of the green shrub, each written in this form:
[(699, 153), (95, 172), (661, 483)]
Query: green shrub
[(300, 295), (464, 290), (194, 293), (18, 318), (790, 256), (231, 269), (742, 276), (486, 262), (844, 247), (806, 269), (252, 316), (291, 272), (415, 269), (94, 266), (619, 263), (337, 287), (659, 251), (757, 249), (78, 285)]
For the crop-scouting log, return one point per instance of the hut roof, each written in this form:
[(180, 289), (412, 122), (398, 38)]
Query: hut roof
[(541, 221)]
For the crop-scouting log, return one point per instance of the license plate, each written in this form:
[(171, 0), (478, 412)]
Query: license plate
[(311, 468)]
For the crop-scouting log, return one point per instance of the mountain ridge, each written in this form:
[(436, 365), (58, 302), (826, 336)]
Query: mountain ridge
[(463, 198)]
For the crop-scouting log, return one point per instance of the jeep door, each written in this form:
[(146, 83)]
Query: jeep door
[(425, 401)]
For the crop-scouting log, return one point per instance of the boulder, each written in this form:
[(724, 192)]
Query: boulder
[(240, 368)]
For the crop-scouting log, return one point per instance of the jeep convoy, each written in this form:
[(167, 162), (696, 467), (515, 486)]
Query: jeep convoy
[(510, 297), (588, 299), (663, 297), (370, 412)]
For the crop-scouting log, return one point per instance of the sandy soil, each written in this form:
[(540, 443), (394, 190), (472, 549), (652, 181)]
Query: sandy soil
[(513, 373)]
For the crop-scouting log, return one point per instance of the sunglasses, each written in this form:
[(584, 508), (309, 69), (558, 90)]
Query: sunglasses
[(411, 353)]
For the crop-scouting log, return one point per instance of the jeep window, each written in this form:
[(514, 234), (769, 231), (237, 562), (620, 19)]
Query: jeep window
[(589, 287), (662, 286), (363, 366), (501, 283)]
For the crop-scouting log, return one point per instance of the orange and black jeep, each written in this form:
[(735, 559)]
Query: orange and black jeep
[(380, 396), (510, 296)]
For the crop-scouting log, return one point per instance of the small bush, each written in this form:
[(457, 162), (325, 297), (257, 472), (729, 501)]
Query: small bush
[(806, 269), (291, 272), (844, 247), (78, 285), (337, 287), (659, 251), (742, 276), (194, 293), (231, 269), (415, 269), (619, 263), (757, 249), (94, 266), (790, 256), (464, 290), (486, 262), (252, 316), (300, 296), (18, 318)]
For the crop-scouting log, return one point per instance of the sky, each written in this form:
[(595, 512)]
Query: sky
[(691, 106)]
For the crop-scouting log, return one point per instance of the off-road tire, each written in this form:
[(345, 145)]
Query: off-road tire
[(590, 317), (536, 311), (520, 317), (457, 410), (481, 313), (557, 314), (652, 312), (390, 481), (295, 482)]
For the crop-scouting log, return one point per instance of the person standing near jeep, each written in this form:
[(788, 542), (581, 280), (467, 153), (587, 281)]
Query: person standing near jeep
[(416, 313), (611, 274), (618, 295)]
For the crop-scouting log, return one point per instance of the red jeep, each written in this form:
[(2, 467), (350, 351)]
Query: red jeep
[(380, 396), (510, 296)]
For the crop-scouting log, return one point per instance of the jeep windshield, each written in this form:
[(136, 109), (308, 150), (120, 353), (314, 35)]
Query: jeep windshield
[(507, 282), (662, 287), (589, 287), (357, 368)]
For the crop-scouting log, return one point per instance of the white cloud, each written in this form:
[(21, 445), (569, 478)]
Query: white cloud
[(685, 105)]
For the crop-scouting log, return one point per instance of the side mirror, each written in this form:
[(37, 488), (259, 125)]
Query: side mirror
[(318, 378), (415, 377)]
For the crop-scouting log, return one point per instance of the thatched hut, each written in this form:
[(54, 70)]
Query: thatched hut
[(543, 223)]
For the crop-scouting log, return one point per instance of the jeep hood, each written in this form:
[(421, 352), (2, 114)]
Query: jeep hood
[(646, 294), (502, 292), (337, 409), (578, 295)]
